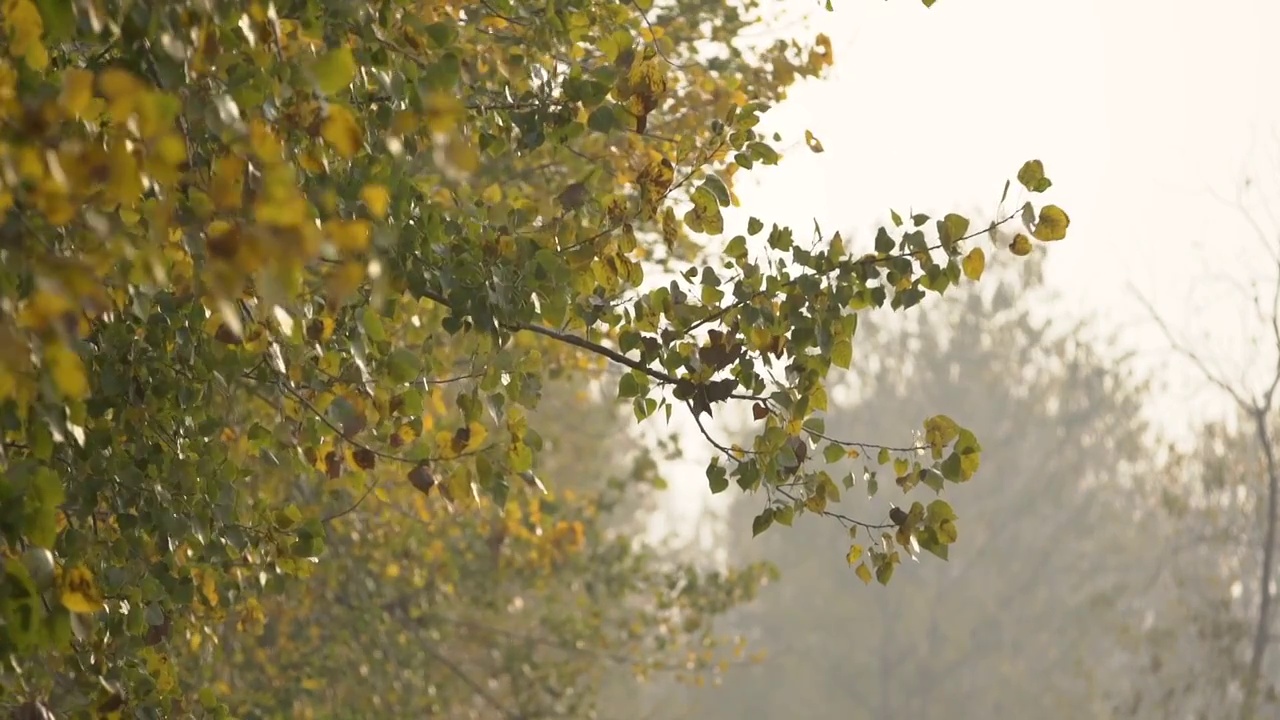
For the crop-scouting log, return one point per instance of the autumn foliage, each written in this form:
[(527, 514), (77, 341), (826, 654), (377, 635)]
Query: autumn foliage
[(266, 267)]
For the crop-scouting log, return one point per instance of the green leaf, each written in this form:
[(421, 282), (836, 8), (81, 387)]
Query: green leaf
[(754, 226), (717, 188), (403, 366), (842, 353), (951, 228), (628, 386), (784, 515), (371, 321), (334, 71), (762, 522), (833, 453), (603, 119), (717, 478), (884, 572)]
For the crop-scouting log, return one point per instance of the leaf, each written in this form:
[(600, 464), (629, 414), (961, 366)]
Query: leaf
[(341, 130), (974, 263), (762, 522), (1031, 176), (602, 119), (421, 478), (1020, 245), (717, 188), (403, 366), (863, 573), (334, 71), (952, 228), (833, 453), (814, 144), (842, 353), (754, 226), (78, 592), (67, 371), (884, 572), (854, 554), (377, 198), (1052, 224), (717, 478)]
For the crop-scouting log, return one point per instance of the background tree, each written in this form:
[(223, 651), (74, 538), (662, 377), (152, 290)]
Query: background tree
[(525, 611), (1226, 493), (254, 256), (1192, 616), (1022, 619)]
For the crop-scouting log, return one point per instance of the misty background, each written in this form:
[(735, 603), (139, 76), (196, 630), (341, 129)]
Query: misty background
[(1113, 543)]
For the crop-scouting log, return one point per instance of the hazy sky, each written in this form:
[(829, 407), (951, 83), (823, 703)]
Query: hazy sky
[(1140, 110)]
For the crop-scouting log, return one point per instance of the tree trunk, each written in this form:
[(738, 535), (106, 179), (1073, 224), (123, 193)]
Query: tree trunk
[(1263, 631)]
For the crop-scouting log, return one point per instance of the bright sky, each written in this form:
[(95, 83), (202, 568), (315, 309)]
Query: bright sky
[(1140, 110)]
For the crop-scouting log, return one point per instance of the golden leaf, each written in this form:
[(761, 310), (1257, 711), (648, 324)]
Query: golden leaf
[(77, 591), (67, 370), (974, 263), (377, 198), (349, 235), (342, 131)]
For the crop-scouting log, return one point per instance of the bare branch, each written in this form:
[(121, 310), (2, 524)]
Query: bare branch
[(1193, 356)]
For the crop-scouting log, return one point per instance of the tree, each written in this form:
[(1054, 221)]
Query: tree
[(1256, 400), (524, 611), (256, 253), (1024, 618), (1186, 652)]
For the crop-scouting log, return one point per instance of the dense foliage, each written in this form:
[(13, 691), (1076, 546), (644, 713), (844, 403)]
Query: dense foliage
[(258, 260)]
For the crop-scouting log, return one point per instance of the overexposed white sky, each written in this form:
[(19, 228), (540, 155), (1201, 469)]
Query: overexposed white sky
[(1139, 109)]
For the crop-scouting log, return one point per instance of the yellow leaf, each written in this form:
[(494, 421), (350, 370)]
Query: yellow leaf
[(443, 112), (974, 263), (460, 157), (492, 194), (1020, 245), (1052, 224), (122, 91), (349, 235), (863, 573), (24, 26), (226, 186), (477, 434), (342, 131), (78, 592), (377, 198), (855, 554), (77, 91), (67, 371), (263, 141)]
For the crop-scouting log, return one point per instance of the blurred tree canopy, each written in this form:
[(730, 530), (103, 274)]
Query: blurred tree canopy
[(262, 262)]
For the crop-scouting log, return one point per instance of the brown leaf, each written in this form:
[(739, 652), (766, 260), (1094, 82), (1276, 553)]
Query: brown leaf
[(365, 458), (333, 464), (421, 478)]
